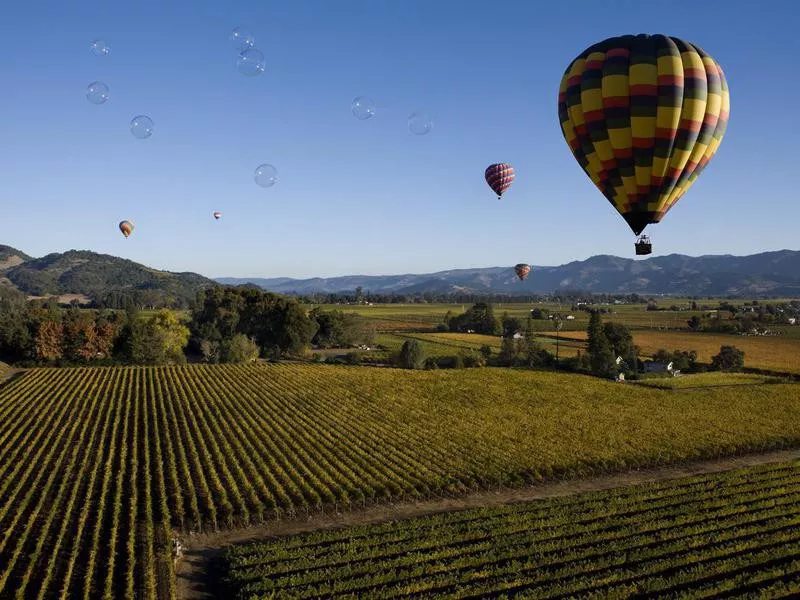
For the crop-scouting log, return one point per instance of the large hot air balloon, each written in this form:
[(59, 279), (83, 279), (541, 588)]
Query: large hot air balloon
[(217, 214), (126, 227), (499, 177), (522, 270), (643, 115)]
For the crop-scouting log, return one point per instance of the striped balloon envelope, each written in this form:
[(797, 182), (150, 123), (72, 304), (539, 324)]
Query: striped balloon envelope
[(499, 177), (522, 270), (643, 116)]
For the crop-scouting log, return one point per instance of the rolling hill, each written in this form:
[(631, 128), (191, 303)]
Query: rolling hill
[(95, 276), (766, 274)]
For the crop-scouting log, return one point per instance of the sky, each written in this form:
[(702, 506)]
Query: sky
[(366, 197)]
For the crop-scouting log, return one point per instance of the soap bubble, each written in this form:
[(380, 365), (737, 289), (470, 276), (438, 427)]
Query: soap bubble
[(242, 39), (363, 108), (99, 47), (97, 92), (251, 62), (420, 123), (142, 127), (266, 175)]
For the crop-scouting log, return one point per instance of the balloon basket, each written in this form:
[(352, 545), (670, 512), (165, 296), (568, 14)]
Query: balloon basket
[(643, 246)]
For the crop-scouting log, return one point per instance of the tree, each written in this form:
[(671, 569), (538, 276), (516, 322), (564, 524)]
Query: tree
[(80, 336), (337, 329), (412, 355), (479, 318), (158, 340), (509, 352), (49, 340), (695, 324), (239, 349), (511, 325), (621, 340), (537, 313), (535, 354), (16, 342), (730, 358), (601, 354)]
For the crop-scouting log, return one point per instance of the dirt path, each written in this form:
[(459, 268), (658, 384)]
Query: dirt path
[(200, 550)]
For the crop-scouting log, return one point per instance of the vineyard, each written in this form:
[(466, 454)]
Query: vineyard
[(707, 536), (98, 466)]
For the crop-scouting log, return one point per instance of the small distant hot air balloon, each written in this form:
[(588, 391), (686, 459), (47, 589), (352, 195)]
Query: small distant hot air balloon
[(126, 227), (217, 215), (522, 271), (499, 177), (643, 116)]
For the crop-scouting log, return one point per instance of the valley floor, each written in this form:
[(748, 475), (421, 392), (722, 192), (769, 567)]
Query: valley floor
[(198, 569)]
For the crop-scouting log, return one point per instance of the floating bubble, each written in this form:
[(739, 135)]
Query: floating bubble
[(142, 126), (97, 92), (242, 39), (363, 108), (251, 62), (99, 48), (420, 123), (266, 175)]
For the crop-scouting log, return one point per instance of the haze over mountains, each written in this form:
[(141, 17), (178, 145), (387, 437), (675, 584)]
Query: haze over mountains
[(93, 275), (769, 273)]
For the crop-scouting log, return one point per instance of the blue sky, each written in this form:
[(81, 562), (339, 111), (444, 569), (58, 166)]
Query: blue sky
[(365, 196)]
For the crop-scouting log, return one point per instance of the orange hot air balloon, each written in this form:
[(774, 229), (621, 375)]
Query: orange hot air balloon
[(217, 214), (522, 271), (126, 227)]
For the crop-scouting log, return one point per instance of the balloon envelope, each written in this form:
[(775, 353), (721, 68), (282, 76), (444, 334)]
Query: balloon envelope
[(217, 214), (643, 116), (522, 271), (499, 177), (126, 227)]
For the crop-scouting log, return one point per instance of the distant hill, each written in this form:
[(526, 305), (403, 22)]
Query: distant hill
[(95, 276), (766, 274)]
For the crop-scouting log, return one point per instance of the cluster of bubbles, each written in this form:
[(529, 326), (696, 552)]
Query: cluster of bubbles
[(419, 122), (251, 62), (97, 93)]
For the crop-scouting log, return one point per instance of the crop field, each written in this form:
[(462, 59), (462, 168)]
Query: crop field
[(706, 536), (708, 380), (422, 317), (99, 465), (776, 353)]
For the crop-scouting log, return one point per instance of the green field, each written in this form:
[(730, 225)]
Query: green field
[(700, 537), (714, 379), (99, 465)]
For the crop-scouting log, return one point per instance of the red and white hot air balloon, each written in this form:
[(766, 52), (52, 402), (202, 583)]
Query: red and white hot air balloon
[(522, 270), (499, 177)]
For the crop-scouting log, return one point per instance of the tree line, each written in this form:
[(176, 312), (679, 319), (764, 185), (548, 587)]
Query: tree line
[(226, 325)]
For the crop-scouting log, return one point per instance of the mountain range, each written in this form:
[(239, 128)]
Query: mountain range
[(766, 274), (94, 276)]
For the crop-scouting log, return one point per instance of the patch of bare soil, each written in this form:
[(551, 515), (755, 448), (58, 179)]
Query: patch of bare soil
[(197, 571)]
